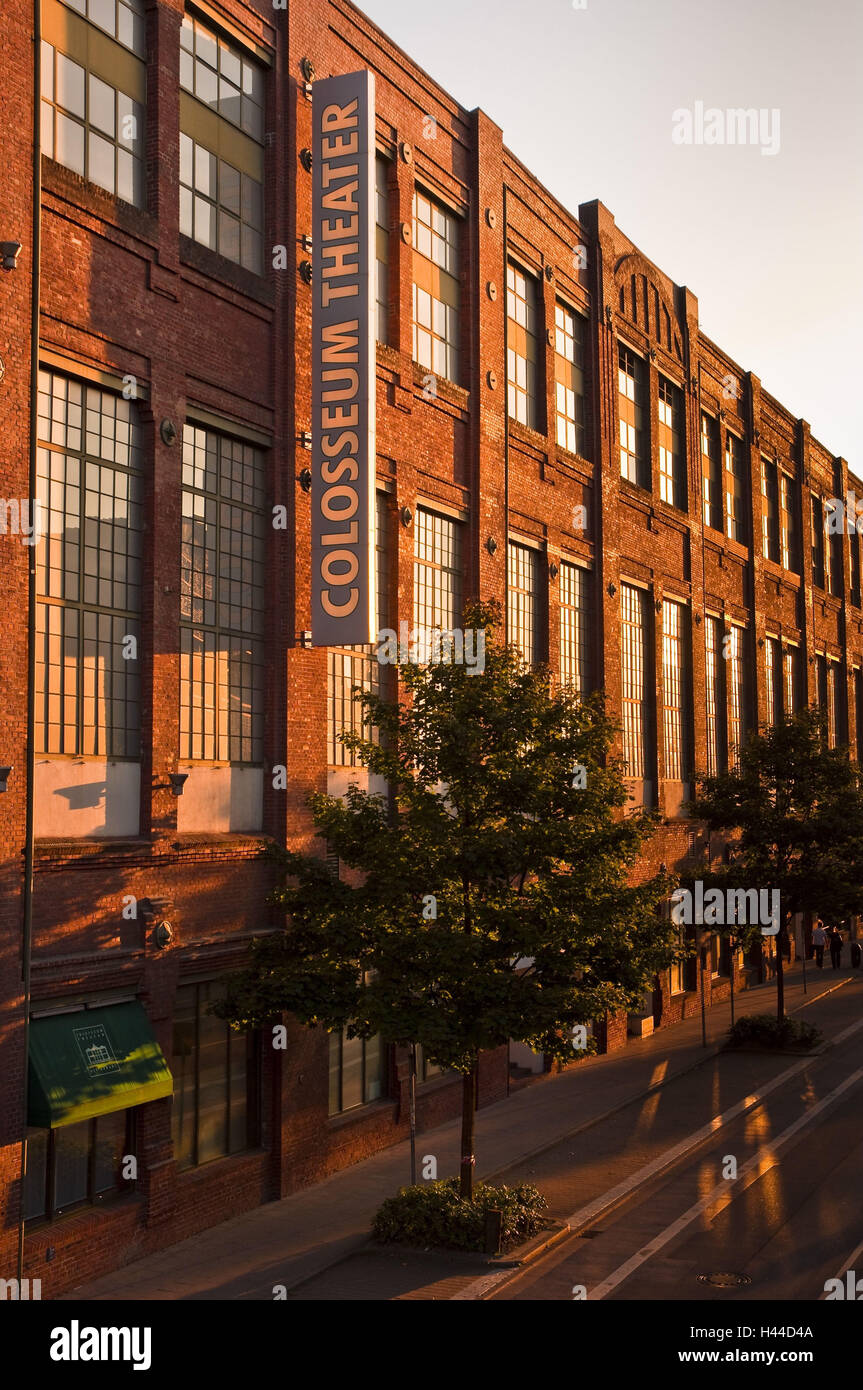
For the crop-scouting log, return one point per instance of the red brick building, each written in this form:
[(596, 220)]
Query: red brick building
[(553, 430)]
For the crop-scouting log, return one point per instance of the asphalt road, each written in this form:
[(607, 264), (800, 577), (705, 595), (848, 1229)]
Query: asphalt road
[(792, 1217)]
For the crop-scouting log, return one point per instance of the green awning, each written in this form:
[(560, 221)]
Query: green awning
[(93, 1062)]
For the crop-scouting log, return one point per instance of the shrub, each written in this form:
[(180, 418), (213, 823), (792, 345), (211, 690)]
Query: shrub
[(762, 1030), (435, 1214)]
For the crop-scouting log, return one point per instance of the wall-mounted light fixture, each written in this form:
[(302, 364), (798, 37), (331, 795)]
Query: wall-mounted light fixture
[(407, 516), (658, 605), (4, 777), (305, 479), (168, 432), (553, 570), (306, 271), (9, 253), (307, 68), (612, 589), (491, 545), (306, 160), (178, 780)]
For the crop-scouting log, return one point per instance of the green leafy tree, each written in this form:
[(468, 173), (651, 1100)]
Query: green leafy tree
[(797, 806), (495, 897)]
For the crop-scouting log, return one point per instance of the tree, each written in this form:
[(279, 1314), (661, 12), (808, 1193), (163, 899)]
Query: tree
[(798, 807), (493, 898)]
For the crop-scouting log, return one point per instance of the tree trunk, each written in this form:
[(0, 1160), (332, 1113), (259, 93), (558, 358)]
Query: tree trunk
[(780, 972), (468, 1122)]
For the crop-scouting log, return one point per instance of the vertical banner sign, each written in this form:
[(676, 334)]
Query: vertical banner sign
[(343, 361)]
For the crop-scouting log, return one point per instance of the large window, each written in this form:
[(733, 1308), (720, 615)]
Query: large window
[(675, 690), (382, 249), (215, 1108), (630, 405), (77, 1165), (357, 1071), (672, 477), (521, 350), (633, 673), (523, 601), (773, 679), (770, 511), (569, 379), (735, 490), (88, 571), (220, 206), (818, 571), (711, 472), (348, 667), (221, 146), (788, 529), (575, 618), (791, 679), (436, 287), (222, 598), (437, 571), (739, 710), (854, 556), (715, 683), (92, 125), (124, 20), (222, 77)]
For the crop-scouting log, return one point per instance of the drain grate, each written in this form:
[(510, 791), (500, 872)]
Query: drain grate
[(724, 1280)]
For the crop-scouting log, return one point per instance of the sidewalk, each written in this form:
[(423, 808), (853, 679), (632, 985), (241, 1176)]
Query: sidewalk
[(289, 1241)]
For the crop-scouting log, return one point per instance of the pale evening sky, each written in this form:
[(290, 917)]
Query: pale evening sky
[(769, 243)]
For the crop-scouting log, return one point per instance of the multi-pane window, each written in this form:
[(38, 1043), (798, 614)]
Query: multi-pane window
[(92, 127), (436, 287), (633, 663), (523, 601), (215, 1069), (222, 77), (357, 1071), (437, 571), (222, 598), (90, 493), (672, 479), (575, 627), (675, 679), (677, 971), (858, 711), (773, 678), (77, 1165), (818, 571), (123, 20), (770, 534), (220, 206), (382, 249), (711, 472), (735, 490), (737, 678), (834, 529), (348, 667), (630, 405), (854, 549), (426, 1070), (715, 683), (833, 711), (521, 350), (569, 378), (791, 679), (788, 532)]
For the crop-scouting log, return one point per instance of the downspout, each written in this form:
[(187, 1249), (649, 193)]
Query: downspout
[(35, 287)]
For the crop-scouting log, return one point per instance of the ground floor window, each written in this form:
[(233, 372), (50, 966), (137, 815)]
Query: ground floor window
[(216, 1081), (357, 1071), (426, 1070), (77, 1165)]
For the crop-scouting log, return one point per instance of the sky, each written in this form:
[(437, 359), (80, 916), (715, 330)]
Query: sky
[(770, 243)]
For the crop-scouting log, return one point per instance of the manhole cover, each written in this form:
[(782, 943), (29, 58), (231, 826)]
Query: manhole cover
[(724, 1281)]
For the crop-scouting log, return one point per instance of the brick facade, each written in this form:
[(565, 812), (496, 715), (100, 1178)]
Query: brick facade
[(123, 293)]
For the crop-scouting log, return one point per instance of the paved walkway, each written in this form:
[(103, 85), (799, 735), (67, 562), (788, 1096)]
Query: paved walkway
[(290, 1241)]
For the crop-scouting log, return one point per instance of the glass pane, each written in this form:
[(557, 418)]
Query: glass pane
[(102, 102), (34, 1182), (103, 13), (187, 71), (72, 1151), (352, 1073), (183, 1069), (335, 1072), (205, 222), (186, 160), (252, 211), (229, 236), (240, 1046), (206, 85), (205, 172), (70, 85), (186, 211), (229, 101), (47, 130), (108, 1157), (374, 1068), (47, 71), (229, 188), (101, 162), (70, 144), (251, 258), (212, 1083)]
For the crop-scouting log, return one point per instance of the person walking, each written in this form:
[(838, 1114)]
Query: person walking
[(819, 941), (836, 948)]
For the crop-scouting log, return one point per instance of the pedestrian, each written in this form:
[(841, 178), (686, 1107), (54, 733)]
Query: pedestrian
[(835, 948), (819, 941)]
